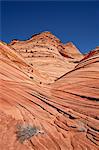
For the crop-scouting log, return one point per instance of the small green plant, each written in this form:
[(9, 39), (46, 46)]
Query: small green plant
[(25, 132)]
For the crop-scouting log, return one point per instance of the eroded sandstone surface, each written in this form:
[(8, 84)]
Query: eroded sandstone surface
[(49, 95), (48, 54)]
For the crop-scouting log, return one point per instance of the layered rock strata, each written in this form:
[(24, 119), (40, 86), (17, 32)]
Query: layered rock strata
[(48, 55), (63, 115)]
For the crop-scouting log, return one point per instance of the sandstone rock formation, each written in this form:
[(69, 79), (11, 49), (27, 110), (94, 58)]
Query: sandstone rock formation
[(63, 115), (73, 52), (47, 54)]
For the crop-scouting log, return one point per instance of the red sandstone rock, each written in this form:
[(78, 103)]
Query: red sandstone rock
[(63, 115), (73, 52), (47, 54)]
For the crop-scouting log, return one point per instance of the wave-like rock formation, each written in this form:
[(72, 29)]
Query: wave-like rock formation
[(47, 54), (63, 115)]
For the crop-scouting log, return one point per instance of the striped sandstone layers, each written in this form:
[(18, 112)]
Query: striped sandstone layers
[(47, 54), (63, 115)]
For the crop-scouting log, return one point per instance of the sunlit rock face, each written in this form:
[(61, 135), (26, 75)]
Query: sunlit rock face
[(53, 103), (48, 54), (73, 52)]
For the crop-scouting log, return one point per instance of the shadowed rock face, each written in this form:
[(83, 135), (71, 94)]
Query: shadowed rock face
[(63, 115)]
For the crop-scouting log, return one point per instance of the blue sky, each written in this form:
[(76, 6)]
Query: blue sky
[(76, 21)]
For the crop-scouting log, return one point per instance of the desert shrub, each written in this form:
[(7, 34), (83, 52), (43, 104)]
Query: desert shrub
[(25, 132)]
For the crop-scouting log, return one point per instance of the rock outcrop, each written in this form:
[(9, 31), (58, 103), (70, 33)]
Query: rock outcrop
[(63, 115), (47, 54), (73, 52)]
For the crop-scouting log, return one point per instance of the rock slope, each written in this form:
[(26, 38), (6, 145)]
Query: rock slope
[(63, 115), (47, 54)]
